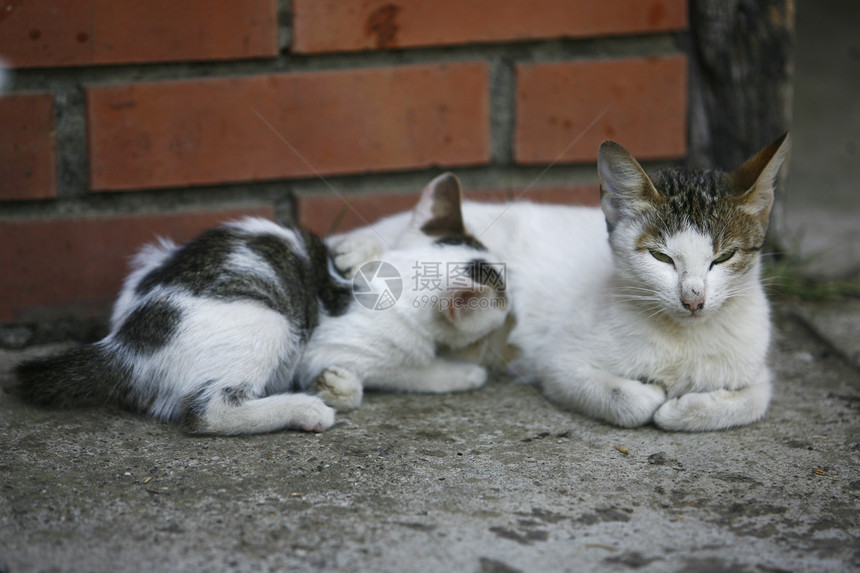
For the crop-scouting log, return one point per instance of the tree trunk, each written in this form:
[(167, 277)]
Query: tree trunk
[(741, 78)]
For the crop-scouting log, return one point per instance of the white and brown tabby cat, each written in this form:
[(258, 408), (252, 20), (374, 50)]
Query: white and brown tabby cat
[(650, 308)]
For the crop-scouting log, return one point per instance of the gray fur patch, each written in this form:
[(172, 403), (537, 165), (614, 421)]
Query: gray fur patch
[(193, 407), (235, 395), (292, 285), (196, 265), (86, 375), (150, 326)]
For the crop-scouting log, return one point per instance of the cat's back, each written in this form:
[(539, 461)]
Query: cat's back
[(521, 228), (548, 249), (208, 262), (251, 260), (557, 262)]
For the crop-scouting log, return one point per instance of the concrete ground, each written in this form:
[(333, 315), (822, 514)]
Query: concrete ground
[(496, 480)]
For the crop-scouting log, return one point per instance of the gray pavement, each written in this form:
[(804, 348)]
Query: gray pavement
[(496, 480)]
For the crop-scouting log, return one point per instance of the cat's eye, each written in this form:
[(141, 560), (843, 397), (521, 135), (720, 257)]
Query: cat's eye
[(723, 258), (662, 257)]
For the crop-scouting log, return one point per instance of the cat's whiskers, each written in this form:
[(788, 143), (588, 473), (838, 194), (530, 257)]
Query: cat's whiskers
[(634, 293), (633, 289), (646, 305), (660, 311), (773, 285), (740, 290), (635, 298)]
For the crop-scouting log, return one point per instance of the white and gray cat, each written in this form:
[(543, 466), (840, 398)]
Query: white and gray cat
[(227, 333), (650, 308)]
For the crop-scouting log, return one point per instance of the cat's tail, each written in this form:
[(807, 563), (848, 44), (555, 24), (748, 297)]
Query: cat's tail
[(84, 376)]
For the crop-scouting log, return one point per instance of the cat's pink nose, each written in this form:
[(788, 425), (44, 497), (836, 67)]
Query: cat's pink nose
[(693, 303), (693, 294)]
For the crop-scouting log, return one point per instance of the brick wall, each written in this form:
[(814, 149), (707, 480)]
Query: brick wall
[(127, 120)]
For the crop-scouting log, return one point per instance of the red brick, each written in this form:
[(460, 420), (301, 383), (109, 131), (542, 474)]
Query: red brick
[(345, 25), (46, 33), (643, 103), (76, 266), (329, 214), (287, 125), (171, 30), (27, 147), (83, 32)]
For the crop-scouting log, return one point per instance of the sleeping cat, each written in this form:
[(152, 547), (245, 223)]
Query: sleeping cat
[(212, 334), (452, 295), (649, 308)]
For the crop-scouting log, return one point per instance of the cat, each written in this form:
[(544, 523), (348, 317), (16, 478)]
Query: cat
[(452, 296), (213, 334), (650, 308)]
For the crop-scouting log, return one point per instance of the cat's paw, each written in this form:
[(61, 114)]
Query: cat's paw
[(356, 250), (474, 376), (696, 412), (463, 378), (340, 388), (632, 403), (311, 415)]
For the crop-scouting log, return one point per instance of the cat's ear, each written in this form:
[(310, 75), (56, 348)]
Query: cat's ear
[(478, 287), (474, 298), (625, 188), (755, 179), (438, 210)]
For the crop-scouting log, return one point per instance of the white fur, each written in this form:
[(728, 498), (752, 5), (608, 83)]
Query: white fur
[(236, 343), (352, 251), (235, 361), (395, 348), (225, 344), (591, 328)]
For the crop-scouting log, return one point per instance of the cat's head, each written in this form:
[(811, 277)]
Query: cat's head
[(686, 241), (451, 273)]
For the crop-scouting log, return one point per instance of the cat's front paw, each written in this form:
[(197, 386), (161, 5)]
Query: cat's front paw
[(632, 403), (696, 412), (340, 388), (465, 377), (312, 415), (715, 410), (354, 251), (475, 377)]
